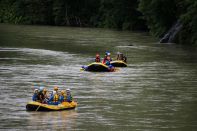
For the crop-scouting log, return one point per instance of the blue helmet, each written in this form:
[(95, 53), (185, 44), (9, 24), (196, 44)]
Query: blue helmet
[(107, 53), (41, 88)]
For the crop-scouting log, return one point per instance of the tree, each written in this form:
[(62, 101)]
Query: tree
[(159, 14)]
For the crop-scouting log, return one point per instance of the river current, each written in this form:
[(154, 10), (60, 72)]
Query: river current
[(157, 91)]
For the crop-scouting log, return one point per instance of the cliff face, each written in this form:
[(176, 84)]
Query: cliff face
[(181, 33), (174, 21)]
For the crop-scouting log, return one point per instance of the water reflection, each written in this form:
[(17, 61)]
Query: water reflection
[(62, 120)]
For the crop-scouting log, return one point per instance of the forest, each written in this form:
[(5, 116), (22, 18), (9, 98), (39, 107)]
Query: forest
[(174, 19)]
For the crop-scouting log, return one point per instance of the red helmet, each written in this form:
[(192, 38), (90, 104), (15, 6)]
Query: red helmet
[(97, 55)]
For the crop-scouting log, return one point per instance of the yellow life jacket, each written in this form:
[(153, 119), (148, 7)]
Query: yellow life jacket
[(56, 98), (65, 97)]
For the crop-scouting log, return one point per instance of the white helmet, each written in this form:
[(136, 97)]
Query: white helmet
[(68, 90), (35, 90), (54, 92)]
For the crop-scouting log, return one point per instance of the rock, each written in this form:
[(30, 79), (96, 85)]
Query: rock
[(130, 45)]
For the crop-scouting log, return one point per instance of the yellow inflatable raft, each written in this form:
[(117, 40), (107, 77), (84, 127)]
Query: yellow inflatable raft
[(37, 106)]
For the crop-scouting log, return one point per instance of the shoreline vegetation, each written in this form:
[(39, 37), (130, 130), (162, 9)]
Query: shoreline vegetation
[(173, 21)]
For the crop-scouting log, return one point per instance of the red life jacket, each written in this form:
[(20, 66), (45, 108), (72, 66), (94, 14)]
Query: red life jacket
[(97, 59), (104, 61)]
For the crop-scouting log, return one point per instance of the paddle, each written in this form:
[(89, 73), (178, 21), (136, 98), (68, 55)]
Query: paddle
[(38, 108)]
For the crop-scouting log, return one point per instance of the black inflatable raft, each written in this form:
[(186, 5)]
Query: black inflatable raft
[(118, 63), (97, 67)]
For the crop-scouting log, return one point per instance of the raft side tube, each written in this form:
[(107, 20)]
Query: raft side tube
[(118, 63), (97, 67), (36, 106)]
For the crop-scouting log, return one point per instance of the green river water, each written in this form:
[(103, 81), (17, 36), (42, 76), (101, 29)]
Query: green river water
[(156, 92)]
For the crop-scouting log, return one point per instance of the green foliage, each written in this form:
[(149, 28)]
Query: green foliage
[(156, 15), (189, 19), (37, 11), (160, 14), (8, 12), (120, 14), (97, 13)]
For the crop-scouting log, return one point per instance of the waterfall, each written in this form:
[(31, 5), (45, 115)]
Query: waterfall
[(170, 36)]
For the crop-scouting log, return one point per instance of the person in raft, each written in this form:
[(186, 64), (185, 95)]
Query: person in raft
[(41, 94), (56, 89), (97, 59), (69, 97), (63, 96), (121, 57), (54, 99), (105, 58), (107, 62), (35, 95), (46, 98), (66, 96)]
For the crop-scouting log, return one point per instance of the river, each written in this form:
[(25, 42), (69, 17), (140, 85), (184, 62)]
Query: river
[(157, 91)]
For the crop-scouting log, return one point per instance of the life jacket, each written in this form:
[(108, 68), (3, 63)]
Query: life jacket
[(35, 97), (56, 98), (40, 96), (63, 98), (125, 59), (107, 62), (45, 96), (104, 61), (97, 59), (69, 98)]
